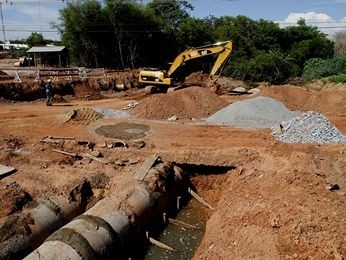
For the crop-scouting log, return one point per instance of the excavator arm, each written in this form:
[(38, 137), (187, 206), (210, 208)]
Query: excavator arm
[(161, 77), (222, 48)]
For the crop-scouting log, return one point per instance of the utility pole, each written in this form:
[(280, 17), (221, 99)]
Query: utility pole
[(3, 27)]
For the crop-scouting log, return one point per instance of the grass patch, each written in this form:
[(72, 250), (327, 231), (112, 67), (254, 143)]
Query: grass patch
[(338, 78)]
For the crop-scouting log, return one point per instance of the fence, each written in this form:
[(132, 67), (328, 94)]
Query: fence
[(56, 74)]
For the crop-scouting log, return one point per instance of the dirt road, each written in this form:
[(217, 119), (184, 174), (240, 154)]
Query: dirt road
[(276, 201)]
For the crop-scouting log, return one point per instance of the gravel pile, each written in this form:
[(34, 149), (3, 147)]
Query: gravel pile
[(309, 127), (287, 126), (259, 112)]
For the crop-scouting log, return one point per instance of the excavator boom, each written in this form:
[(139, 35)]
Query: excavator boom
[(161, 77), (223, 49)]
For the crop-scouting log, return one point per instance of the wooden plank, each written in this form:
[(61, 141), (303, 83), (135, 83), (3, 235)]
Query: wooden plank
[(200, 199), (158, 243), (181, 223), (62, 137), (63, 152), (55, 139), (90, 156), (148, 163), (6, 170)]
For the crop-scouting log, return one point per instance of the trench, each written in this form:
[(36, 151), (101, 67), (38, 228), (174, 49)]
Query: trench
[(117, 225), (185, 240)]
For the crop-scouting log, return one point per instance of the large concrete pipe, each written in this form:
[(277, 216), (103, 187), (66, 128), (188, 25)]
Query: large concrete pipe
[(24, 232), (115, 223)]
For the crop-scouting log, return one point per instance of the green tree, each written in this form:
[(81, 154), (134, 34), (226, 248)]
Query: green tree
[(194, 32), (263, 51), (35, 39), (304, 42), (83, 32), (170, 13), (129, 26), (256, 54)]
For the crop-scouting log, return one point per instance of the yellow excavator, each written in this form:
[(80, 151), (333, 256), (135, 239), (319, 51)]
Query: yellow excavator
[(156, 77)]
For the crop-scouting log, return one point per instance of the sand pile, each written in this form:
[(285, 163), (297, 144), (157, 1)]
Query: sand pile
[(188, 103)]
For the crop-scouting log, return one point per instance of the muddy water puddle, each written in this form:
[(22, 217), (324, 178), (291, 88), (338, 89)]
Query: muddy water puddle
[(184, 240)]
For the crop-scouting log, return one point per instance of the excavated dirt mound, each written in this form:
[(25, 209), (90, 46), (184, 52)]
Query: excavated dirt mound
[(188, 103), (220, 85), (90, 88), (302, 99)]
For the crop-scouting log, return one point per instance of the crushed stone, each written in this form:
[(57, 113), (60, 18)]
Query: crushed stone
[(258, 112), (286, 125), (308, 127)]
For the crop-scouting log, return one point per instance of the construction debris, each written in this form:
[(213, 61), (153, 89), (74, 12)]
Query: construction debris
[(142, 172), (63, 152), (131, 105), (6, 170), (90, 156), (55, 139)]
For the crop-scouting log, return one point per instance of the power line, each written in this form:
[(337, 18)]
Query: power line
[(13, 2)]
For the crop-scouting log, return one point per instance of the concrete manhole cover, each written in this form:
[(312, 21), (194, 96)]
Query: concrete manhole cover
[(123, 130)]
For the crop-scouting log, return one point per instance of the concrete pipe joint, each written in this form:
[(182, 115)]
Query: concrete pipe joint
[(108, 228), (46, 216)]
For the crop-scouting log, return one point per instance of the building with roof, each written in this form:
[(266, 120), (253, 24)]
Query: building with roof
[(49, 56)]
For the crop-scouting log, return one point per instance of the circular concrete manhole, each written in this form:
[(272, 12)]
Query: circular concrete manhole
[(123, 130)]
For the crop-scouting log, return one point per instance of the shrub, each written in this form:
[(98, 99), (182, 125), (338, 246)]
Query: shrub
[(317, 68)]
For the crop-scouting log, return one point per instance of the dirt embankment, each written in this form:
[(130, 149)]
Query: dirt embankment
[(279, 201)]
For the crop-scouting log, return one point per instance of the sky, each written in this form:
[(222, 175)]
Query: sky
[(22, 17)]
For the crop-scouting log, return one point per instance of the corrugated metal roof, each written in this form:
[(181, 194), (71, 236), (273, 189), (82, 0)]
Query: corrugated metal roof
[(46, 49)]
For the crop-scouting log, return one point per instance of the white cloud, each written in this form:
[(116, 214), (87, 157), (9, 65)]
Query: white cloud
[(323, 21), (309, 17)]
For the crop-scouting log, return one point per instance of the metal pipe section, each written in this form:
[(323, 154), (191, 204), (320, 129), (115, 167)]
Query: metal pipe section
[(115, 223)]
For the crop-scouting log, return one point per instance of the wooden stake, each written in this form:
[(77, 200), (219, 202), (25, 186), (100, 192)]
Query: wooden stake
[(201, 200), (180, 223), (165, 220), (158, 243), (178, 202), (95, 158), (63, 152)]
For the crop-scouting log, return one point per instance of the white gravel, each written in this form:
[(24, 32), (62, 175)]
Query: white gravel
[(309, 127)]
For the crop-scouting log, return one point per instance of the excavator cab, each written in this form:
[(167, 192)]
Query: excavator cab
[(154, 77)]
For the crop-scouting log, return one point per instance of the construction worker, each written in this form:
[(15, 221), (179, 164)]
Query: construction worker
[(49, 94)]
